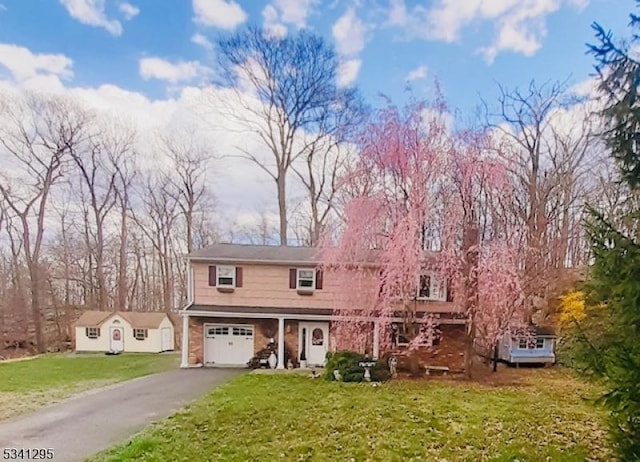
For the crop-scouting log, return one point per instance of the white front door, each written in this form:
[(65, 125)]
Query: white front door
[(165, 339), (314, 337), (228, 345), (116, 339)]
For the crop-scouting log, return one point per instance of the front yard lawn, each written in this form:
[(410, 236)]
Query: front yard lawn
[(27, 385), (289, 417)]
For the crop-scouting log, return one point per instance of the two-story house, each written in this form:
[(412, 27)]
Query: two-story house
[(242, 297)]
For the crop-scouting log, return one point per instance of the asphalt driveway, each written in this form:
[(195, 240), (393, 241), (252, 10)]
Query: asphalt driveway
[(85, 424)]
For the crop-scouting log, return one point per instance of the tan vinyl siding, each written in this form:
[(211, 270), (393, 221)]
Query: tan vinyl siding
[(262, 285), (268, 286)]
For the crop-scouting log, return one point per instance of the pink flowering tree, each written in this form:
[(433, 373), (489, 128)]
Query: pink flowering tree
[(379, 255), (481, 248), (426, 207)]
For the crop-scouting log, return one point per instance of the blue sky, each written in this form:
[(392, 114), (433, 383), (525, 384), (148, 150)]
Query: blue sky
[(146, 62), (468, 45)]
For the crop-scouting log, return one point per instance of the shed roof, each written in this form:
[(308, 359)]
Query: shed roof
[(137, 319), (544, 331)]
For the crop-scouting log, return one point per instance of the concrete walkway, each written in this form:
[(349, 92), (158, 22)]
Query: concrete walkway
[(86, 424)]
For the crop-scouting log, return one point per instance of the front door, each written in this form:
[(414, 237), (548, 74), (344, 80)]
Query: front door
[(316, 340), (116, 342)]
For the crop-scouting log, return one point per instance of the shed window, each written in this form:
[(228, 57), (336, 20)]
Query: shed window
[(523, 343), (92, 332), (539, 343), (140, 334)]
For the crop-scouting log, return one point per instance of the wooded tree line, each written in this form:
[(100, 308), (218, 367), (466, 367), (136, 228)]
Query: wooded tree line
[(92, 217), (86, 221)]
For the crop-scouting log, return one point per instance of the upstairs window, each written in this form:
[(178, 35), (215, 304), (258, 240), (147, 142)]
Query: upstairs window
[(226, 276), (140, 334), (306, 279), (92, 332), (431, 287)]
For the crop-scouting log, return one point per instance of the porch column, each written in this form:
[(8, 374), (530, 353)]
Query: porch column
[(185, 341), (376, 340), (280, 344)]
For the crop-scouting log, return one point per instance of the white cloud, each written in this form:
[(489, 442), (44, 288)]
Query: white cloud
[(519, 25), (348, 72), (271, 22), (2, 7), (180, 71), (418, 73), (349, 33), (92, 13), (279, 13), (224, 14), (201, 40), (128, 10), (24, 64)]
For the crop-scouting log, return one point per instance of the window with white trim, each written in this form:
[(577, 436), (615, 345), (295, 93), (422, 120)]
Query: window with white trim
[(523, 343), (92, 332), (306, 279), (430, 287), (140, 334), (539, 343), (226, 276)]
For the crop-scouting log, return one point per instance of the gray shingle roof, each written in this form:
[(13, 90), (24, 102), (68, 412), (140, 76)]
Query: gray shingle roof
[(256, 253), (271, 254)]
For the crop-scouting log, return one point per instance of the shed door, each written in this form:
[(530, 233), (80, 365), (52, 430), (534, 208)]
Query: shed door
[(166, 339), (228, 345), (116, 339)]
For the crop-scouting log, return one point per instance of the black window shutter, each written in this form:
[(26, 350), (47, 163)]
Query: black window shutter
[(449, 290), (212, 276), (293, 275), (238, 276), (319, 277)]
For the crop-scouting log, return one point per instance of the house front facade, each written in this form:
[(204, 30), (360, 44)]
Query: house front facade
[(243, 298)]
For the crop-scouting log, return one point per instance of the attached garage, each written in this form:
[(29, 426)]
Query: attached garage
[(228, 344)]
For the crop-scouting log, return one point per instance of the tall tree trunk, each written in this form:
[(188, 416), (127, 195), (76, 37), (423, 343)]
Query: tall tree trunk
[(122, 257), (282, 208)]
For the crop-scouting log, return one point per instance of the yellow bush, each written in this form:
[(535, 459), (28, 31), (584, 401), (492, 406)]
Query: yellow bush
[(571, 308)]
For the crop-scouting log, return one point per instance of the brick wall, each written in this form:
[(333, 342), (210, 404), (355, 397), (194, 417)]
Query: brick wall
[(449, 352)]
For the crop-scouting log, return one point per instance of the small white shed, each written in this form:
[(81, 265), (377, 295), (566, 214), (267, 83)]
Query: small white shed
[(127, 331)]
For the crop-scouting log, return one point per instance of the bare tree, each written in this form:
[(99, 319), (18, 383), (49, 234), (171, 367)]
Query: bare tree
[(39, 135), (156, 219), (189, 161), (286, 93), (99, 172), (550, 143)]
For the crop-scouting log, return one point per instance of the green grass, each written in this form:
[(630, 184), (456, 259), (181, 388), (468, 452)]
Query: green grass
[(288, 417), (27, 385)]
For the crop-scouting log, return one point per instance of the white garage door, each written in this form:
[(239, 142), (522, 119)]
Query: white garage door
[(228, 345)]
